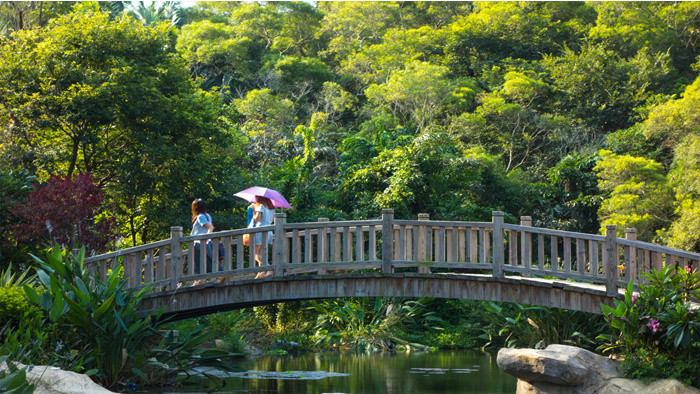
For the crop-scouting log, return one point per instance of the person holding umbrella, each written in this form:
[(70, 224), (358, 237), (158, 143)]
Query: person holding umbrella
[(267, 200), (264, 215)]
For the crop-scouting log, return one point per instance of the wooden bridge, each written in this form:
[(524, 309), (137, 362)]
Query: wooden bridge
[(387, 257)]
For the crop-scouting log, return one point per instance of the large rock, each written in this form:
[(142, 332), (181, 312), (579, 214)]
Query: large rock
[(568, 369), (52, 380), (558, 364)]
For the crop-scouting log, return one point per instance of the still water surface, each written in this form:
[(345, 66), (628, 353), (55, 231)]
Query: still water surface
[(435, 372)]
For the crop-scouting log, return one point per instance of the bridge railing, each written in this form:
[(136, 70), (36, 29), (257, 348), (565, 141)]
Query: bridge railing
[(494, 248)]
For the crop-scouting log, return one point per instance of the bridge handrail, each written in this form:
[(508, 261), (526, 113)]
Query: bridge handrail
[(123, 252), (559, 233), (386, 244), (659, 249), (227, 233)]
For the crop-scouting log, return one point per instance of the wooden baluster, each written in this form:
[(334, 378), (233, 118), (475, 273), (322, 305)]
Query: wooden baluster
[(580, 257), (402, 244), (567, 255), (148, 267), (215, 255), (409, 243), (347, 244), (322, 245), (279, 243), (462, 257), (251, 250), (422, 251), (593, 257), (175, 256), (497, 219), (631, 235), (512, 248), (526, 246), (611, 260), (337, 244), (308, 250), (228, 259), (264, 242), (554, 252), (359, 244), (441, 244), (373, 242), (239, 252), (540, 252), (474, 245), (448, 244), (387, 240), (296, 246)]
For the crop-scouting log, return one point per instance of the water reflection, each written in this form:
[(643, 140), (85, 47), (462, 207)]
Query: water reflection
[(436, 372)]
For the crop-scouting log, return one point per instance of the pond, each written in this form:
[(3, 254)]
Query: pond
[(414, 372)]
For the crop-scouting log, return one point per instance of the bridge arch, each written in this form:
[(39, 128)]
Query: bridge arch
[(218, 297)]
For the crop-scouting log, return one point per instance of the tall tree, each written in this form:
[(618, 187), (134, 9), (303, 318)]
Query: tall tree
[(111, 98)]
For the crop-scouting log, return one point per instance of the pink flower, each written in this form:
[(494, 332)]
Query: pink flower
[(688, 269), (634, 296), (653, 325)]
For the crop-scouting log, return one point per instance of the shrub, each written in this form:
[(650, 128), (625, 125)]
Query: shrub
[(657, 329), (98, 327), (13, 305)]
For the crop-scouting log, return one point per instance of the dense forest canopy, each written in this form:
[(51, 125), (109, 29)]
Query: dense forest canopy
[(579, 114)]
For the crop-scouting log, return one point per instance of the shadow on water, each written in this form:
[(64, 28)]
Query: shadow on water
[(417, 372)]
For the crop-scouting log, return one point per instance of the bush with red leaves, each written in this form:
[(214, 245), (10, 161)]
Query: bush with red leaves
[(63, 211)]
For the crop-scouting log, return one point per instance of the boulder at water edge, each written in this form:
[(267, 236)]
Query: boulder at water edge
[(568, 369), (52, 380)]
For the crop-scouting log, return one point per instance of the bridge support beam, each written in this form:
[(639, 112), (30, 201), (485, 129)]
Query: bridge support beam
[(215, 297)]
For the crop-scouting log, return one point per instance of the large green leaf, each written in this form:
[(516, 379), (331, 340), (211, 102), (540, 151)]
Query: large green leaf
[(107, 305)]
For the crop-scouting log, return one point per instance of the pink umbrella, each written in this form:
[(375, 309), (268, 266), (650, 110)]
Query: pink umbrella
[(277, 199)]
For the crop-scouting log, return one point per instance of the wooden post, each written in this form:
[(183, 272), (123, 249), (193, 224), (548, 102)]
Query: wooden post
[(526, 246), (322, 242), (387, 240), (611, 260), (175, 256), (497, 218), (422, 252), (278, 243), (631, 234)]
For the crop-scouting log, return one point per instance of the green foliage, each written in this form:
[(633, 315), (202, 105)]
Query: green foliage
[(649, 365), (603, 88), (14, 381), (14, 305), (660, 27), (658, 325), (537, 327), (639, 196), (370, 324), (96, 327)]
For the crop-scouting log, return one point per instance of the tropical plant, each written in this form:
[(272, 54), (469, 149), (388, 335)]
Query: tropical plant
[(537, 327), (14, 379), (98, 328), (658, 324), (364, 325)]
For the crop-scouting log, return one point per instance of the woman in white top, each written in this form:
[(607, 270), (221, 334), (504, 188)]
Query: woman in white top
[(264, 216), (201, 224)]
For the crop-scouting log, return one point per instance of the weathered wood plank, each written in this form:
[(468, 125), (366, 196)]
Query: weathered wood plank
[(567, 254)]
